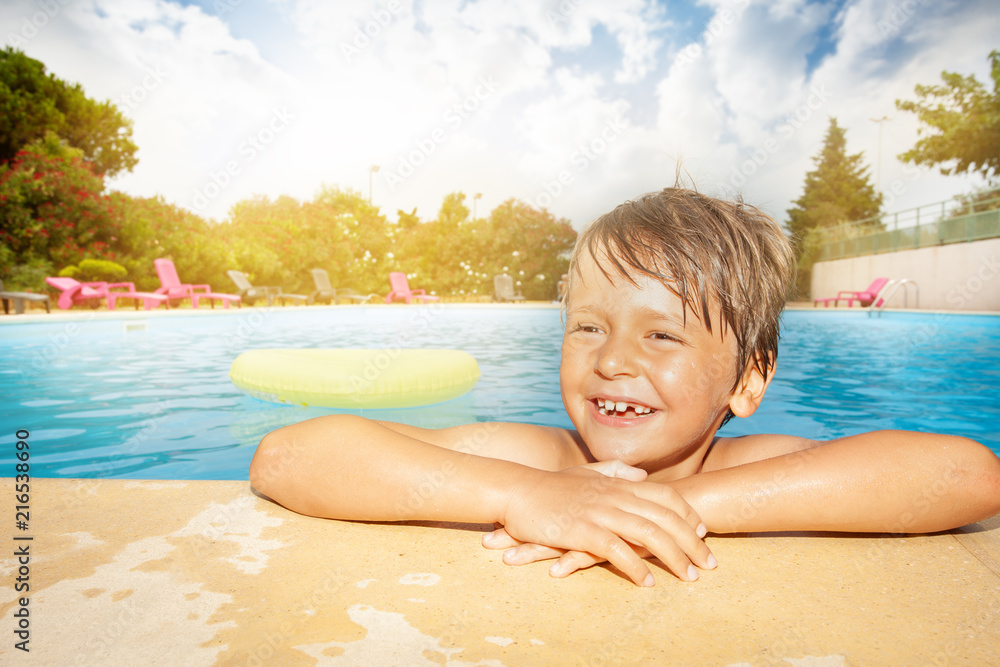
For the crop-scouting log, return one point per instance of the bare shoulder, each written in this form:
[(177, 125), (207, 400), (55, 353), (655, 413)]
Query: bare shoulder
[(730, 452), (544, 447)]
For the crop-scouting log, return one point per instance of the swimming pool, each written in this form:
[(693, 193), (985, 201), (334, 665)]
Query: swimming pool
[(150, 398)]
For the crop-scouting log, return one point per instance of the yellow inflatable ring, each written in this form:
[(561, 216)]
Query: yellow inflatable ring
[(344, 378)]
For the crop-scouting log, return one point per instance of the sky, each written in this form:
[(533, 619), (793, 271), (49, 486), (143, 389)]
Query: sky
[(569, 105)]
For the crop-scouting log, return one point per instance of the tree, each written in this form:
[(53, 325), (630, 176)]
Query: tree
[(962, 122), (277, 242), (34, 107), (531, 245), (151, 227), (838, 190), (53, 213)]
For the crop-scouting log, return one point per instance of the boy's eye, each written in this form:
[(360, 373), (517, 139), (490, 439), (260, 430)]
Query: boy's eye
[(659, 335), (585, 328)]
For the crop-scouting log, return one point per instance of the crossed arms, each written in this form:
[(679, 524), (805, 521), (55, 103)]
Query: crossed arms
[(538, 484)]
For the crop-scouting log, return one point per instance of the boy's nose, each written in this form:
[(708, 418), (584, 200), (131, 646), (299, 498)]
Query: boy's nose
[(616, 358)]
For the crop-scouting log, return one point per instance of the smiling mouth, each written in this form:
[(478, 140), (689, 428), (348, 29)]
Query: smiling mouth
[(622, 409)]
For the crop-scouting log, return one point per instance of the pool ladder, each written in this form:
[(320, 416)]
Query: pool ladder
[(882, 298)]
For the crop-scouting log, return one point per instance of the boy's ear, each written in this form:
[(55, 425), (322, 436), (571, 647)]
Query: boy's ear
[(750, 391)]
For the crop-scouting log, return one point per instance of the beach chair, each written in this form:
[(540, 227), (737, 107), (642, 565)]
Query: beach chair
[(400, 289), (503, 289), (74, 292), (325, 291), (18, 299), (864, 298), (172, 287), (254, 292)]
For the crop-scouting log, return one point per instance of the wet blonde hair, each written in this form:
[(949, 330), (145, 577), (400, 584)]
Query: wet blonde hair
[(710, 253)]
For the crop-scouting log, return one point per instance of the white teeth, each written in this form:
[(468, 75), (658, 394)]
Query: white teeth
[(607, 405)]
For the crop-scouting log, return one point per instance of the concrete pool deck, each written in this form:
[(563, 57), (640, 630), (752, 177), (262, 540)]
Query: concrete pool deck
[(208, 572)]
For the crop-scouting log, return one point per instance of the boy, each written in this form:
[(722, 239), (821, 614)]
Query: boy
[(672, 316)]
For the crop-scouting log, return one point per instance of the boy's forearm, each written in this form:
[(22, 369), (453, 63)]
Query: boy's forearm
[(887, 481), (348, 467)]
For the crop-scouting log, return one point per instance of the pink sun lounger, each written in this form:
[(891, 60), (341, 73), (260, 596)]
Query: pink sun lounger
[(401, 289), (864, 297), (173, 288), (73, 292)]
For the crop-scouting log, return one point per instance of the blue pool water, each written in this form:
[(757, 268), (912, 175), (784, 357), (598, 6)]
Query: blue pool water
[(103, 400)]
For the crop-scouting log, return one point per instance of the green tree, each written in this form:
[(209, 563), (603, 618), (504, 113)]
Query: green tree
[(34, 105), (961, 123), (151, 227), (453, 210), (836, 191), (53, 213), (278, 242), (531, 245), (455, 256)]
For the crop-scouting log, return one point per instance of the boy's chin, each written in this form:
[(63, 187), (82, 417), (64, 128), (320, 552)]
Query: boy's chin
[(651, 457), (627, 452)]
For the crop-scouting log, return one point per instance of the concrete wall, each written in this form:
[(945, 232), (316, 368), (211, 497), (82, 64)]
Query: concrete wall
[(959, 276)]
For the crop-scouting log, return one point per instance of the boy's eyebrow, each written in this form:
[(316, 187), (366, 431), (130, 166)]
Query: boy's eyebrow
[(663, 316), (645, 312)]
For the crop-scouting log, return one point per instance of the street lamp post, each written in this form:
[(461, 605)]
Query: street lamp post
[(878, 162), (371, 170)]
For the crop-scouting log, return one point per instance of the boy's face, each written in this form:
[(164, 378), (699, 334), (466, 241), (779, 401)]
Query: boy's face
[(639, 384)]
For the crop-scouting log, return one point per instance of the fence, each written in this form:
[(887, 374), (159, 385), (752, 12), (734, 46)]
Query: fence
[(923, 226)]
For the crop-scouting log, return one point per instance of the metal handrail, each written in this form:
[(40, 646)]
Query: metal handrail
[(881, 299), (912, 229)]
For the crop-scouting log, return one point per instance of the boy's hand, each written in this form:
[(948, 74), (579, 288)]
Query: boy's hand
[(603, 511)]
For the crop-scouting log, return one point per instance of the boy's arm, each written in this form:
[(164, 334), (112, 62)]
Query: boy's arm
[(348, 467), (884, 481)]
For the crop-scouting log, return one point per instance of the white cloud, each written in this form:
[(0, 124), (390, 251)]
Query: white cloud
[(506, 94)]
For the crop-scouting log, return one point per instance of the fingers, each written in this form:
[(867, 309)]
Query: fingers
[(582, 516), (530, 553), (667, 497), (621, 555), (499, 539), (669, 537), (571, 561), (517, 552)]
